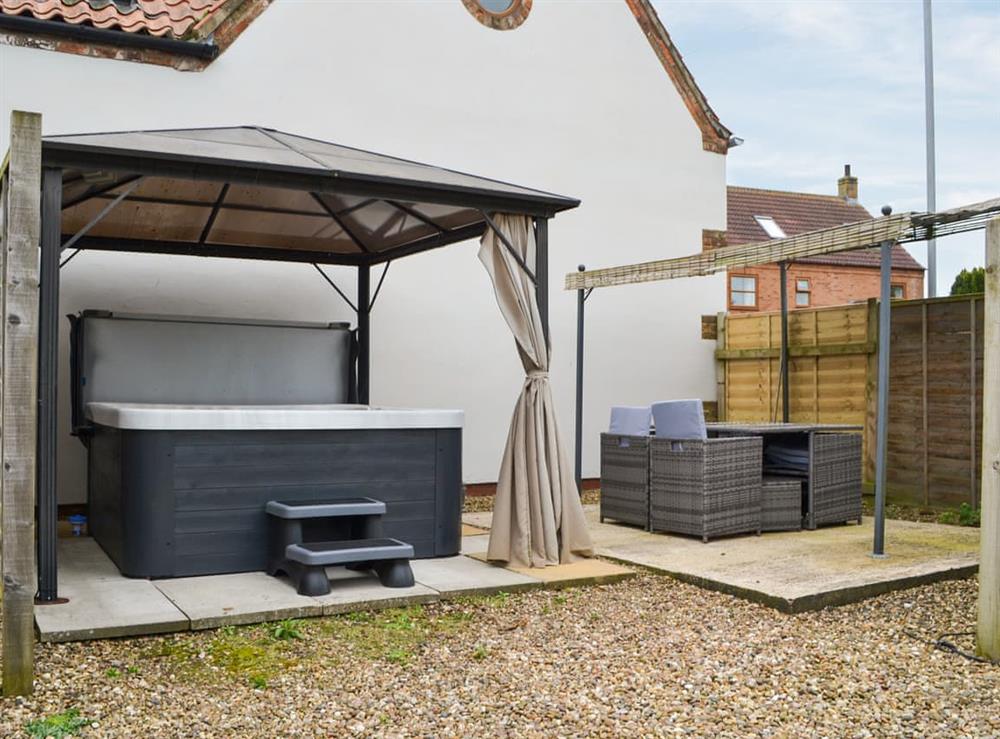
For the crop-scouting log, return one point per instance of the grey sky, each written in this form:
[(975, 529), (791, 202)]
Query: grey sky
[(814, 84)]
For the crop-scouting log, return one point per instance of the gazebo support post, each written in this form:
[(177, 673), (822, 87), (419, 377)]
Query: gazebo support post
[(988, 623), (785, 392), (542, 275), (882, 404), (48, 378), (581, 300), (19, 328), (364, 334)]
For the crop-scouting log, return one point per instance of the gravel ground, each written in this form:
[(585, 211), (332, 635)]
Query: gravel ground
[(483, 503), (647, 657)]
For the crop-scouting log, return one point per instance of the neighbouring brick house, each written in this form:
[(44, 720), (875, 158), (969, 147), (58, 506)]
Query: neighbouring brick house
[(755, 215)]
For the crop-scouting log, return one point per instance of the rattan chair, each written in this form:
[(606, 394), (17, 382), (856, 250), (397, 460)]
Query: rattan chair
[(781, 503), (835, 477), (625, 467), (706, 487)]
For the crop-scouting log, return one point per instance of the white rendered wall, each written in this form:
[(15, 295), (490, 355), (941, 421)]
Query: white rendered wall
[(574, 101)]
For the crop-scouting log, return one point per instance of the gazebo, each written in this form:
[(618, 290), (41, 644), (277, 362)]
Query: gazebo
[(246, 193)]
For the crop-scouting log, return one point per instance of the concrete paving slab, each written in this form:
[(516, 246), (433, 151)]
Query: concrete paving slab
[(799, 570), (102, 603), (470, 530), (475, 544), (362, 591), (240, 598), (574, 574), (456, 576), (482, 520)]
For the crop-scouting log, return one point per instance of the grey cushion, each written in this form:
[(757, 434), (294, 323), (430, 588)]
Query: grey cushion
[(679, 419), (630, 420)]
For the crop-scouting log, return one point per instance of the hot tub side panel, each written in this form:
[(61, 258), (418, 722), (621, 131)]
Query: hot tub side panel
[(193, 501)]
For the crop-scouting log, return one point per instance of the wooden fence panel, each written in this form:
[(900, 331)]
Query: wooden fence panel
[(935, 375), (935, 406), (828, 363)]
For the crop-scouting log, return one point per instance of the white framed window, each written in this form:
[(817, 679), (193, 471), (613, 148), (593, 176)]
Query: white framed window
[(897, 292), (770, 226), (742, 291), (803, 294)]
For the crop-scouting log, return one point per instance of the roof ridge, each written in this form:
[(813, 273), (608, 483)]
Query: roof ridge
[(825, 196)]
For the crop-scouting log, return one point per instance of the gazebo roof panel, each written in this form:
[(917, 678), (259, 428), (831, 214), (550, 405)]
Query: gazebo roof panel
[(260, 196), (253, 187), (278, 230), (130, 220), (267, 149)]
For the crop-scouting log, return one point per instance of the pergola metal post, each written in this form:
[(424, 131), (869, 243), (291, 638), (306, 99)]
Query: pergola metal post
[(542, 274), (581, 299), (785, 393), (929, 135), (48, 378), (364, 334), (882, 404)]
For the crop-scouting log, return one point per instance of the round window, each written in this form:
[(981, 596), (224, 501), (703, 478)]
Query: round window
[(502, 15)]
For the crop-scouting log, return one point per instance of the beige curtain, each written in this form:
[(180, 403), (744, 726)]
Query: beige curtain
[(537, 516)]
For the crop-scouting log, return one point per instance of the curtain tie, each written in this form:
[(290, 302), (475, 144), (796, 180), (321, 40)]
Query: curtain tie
[(537, 375)]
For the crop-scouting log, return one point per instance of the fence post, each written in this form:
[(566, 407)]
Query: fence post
[(721, 366), (21, 234), (988, 626)]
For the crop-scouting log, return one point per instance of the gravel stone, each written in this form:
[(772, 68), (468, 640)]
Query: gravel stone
[(645, 657)]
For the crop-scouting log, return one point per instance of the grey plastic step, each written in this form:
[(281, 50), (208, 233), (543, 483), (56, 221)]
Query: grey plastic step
[(326, 553), (291, 509)]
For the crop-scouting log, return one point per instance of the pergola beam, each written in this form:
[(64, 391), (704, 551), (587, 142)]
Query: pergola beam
[(901, 228), (865, 234)]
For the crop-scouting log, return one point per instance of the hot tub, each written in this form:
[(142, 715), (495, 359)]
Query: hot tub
[(180, 490), (192, 424)]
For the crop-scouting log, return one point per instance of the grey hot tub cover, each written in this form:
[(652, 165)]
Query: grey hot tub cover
[(537, 516)]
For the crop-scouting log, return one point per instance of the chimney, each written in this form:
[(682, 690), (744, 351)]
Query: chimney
[(847, 186)]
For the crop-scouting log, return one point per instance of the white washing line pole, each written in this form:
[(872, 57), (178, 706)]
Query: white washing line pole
[(929, 123)]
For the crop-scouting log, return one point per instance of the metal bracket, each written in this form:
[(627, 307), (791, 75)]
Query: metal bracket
[(378, 287), (334, 286), (100, 216)]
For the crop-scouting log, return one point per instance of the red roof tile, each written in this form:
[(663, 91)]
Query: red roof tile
[(800, 212), (172, 18)]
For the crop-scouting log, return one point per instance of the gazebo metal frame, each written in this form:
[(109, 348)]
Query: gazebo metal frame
[(116, 191)]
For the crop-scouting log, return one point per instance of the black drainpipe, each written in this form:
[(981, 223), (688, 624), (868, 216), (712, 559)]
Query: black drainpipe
[(89, 34)]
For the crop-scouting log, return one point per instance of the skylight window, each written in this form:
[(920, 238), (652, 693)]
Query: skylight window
[(771, 228)]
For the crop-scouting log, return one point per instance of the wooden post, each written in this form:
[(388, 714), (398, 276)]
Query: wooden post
[(925, 429), (21, 234), (988, 627), (721, 368), (972, 404)]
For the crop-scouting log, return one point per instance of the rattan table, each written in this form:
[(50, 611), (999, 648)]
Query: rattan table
[(833, 479)]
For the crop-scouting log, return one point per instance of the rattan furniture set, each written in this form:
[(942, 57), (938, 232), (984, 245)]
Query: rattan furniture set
[(728, 479)]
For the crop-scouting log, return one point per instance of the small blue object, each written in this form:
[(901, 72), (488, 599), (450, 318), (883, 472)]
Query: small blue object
[(78, 521)]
